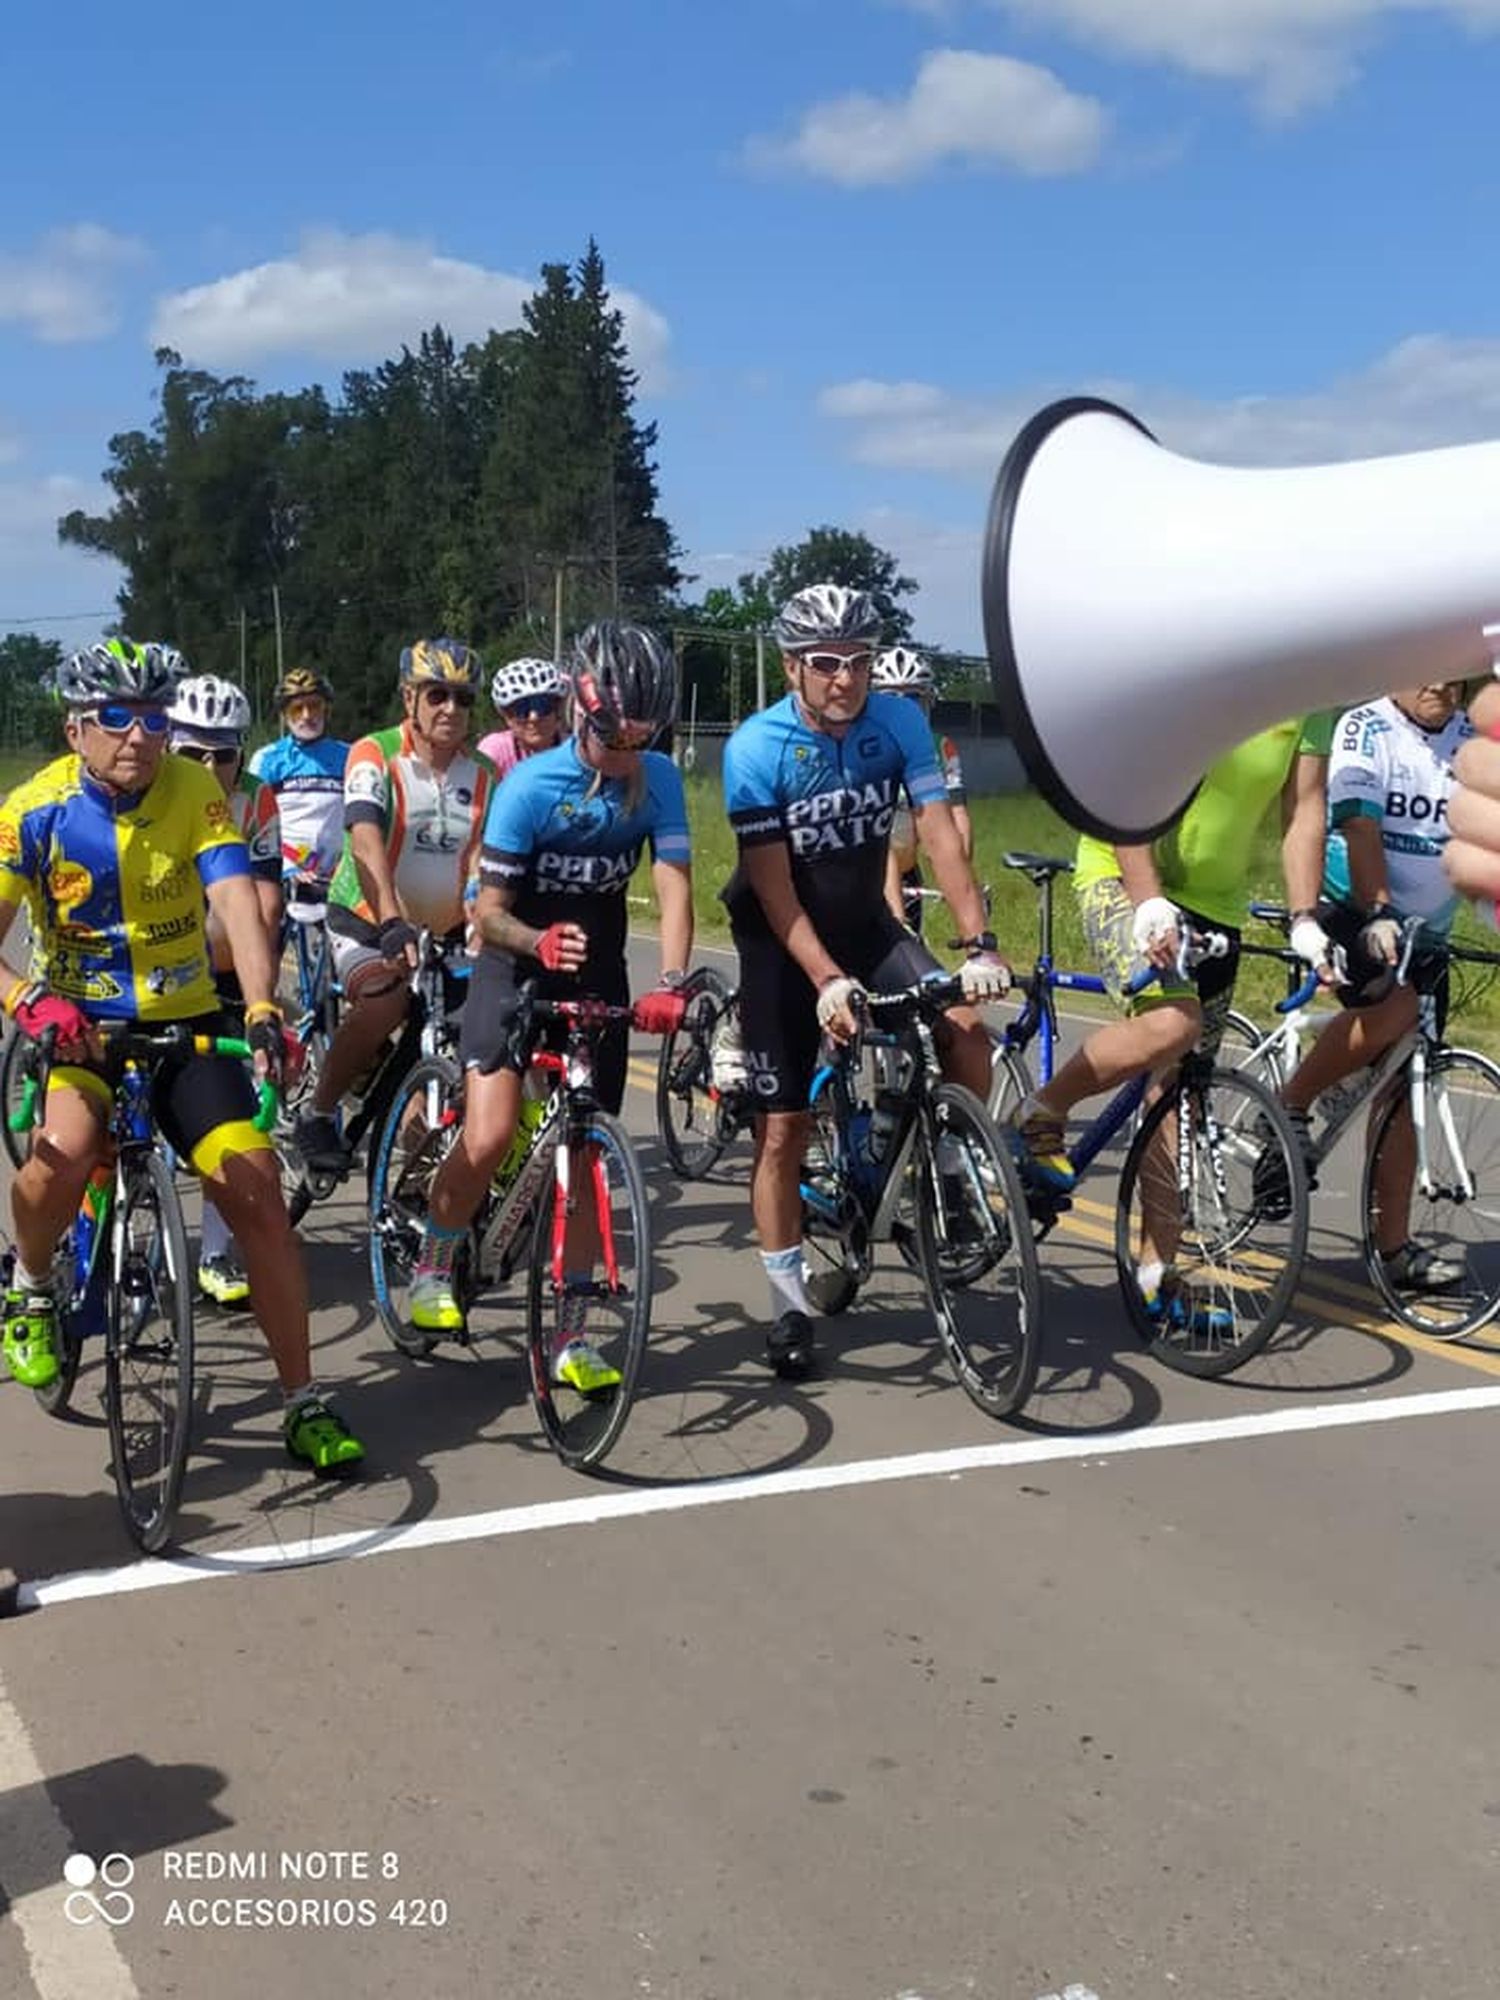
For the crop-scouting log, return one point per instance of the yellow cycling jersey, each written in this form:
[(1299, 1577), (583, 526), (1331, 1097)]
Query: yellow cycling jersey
[(115, 883)]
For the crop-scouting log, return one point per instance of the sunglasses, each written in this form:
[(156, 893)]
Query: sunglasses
[(209, 753), (117, 718), (622, 735), (440, 697), (829, 664), (305, 704), (532, 704)]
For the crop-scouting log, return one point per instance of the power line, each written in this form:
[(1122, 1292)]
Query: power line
[(59, 617)]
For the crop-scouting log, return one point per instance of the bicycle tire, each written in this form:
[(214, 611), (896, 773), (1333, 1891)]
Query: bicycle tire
[(1240, 1048), (1010, 1081), (583, 1429), (689, 1120), (835, 1252), (1241, 1245), (21, 1057), (1463, 1308), (972, 1225), (149, 1381), (400, 1191)]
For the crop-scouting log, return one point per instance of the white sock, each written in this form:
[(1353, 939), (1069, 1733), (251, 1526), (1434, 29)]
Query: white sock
[(25, 1282), (214, 1238), (1149, 1277), (786, 1276)]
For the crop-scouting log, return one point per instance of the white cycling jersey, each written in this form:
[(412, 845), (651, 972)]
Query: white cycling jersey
[(1386, 767)]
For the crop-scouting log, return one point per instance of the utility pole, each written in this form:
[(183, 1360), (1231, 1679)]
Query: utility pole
[(760, 670), (276, 609), (557, 608), (242, 645)]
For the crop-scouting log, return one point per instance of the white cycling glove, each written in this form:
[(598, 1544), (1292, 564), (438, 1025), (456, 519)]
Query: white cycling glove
[(983, 976), (1310, 941), (1153, 919), (837, 994)]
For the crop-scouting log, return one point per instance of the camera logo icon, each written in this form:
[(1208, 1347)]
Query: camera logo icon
[(113, 1876)]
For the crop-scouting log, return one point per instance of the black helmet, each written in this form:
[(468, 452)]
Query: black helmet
[(120, 670), (620, 674), (297, 683)]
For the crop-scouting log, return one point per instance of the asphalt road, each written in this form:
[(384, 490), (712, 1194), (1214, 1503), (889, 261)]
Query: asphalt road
[(837, 1691)]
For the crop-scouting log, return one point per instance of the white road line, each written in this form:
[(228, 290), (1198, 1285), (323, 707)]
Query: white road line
[(67, 1960), (590, 1508)]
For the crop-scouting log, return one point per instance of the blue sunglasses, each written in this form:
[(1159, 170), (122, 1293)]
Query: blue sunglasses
[(534, 704), (118, 718)]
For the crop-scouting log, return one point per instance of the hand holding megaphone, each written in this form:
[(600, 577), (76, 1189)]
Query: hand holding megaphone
[(1472, 856)]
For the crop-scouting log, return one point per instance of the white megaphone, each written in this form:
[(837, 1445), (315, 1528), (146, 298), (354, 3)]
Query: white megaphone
[(1145, 613)]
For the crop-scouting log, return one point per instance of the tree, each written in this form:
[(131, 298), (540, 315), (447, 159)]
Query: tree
[(28, 708), (836, 555)]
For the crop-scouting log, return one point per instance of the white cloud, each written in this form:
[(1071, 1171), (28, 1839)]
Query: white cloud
[(1429, 390), (63, 287), (1292, 52), (963, 107), (356, 298)]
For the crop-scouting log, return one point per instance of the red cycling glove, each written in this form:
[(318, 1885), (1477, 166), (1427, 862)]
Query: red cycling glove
[(661, 1012), (550, 947), (35, 1017)]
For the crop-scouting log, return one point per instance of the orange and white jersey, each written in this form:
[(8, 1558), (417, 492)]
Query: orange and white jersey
[(429, 820)]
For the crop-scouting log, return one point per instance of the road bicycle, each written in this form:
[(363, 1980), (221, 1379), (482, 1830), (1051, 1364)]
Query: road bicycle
[(123, 1272), (919, 1162), (1197, 1165), (437, 982), (568, 1205), (315, 1017), (1432, 1140)]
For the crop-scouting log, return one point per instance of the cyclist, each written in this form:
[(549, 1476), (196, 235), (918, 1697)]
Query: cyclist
[(811, 786), (304, 769), (529, 696), (117, 847), (561, 843), (1134, 901), (208, 719), (415, 797), (900, 670), (1389, 780)]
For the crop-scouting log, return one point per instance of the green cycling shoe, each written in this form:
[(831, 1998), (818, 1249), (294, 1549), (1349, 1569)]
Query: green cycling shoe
[(317, 1434), (30, 1339)]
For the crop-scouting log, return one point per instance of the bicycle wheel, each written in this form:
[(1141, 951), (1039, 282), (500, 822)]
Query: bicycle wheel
[(835, 1240), (1010, 1081), (148, 1352), (58, 1394), (20, 1061), (979, 1261), (1240, 1048), (1215, 1184), (1454, 1224), (588, 1296), (415, 1137), (688, 1117)]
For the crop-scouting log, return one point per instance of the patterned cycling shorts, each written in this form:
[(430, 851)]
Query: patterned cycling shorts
[(1108, 920)]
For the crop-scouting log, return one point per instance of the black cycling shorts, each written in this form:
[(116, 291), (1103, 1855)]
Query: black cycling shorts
[(487, 1041), (204, 1105), (779, 1004)]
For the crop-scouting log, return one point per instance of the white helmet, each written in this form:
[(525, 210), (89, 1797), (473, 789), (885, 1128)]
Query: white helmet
[(900, 670), (519, 678), (207, 706), (824, 612)]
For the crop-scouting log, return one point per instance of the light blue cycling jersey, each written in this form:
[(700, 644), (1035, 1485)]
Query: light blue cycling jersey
[(831, 799), (308, 781), (562, 840)]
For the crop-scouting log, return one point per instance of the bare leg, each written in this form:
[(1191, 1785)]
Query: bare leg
[(247, 1192)]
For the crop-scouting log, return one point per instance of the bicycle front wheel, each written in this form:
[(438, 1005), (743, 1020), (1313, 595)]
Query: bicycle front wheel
[(416, 1136), (688, 1118), (588, 1294), (1213, 1191), (148, 1355), (21, 1060), (978, 1257), (1010, 1081), (1448, 1282), (1245, 1046)]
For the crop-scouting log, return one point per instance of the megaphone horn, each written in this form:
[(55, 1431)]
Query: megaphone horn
[(1144, 613)]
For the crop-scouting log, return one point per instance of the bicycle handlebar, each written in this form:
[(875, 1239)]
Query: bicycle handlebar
[(155, 1041)]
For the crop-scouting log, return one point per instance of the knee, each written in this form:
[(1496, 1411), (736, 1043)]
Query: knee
[(783, 1140), (247, 1193)]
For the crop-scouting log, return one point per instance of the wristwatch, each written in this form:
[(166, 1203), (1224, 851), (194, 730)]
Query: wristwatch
[(985, 941)]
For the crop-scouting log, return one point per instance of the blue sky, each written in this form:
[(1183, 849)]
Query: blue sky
[(859, 241)]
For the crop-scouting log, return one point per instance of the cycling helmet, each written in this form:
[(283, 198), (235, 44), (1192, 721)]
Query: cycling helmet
[(623, 673), (297, 683), (825, 612), (519, 678), (899, 670), (120, 670), (445, 660), (207, 706)]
